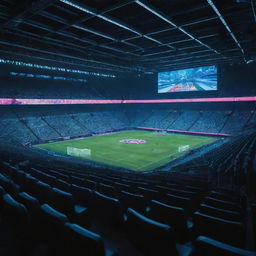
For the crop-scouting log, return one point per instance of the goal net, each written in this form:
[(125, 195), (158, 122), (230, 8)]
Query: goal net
[(80, 152), (183, 148)]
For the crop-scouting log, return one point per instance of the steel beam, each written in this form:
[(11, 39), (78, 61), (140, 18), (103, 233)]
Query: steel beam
[(162, 16), (216, 10), (111, 20)]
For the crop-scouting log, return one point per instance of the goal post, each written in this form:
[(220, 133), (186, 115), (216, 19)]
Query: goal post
[(183, 148), (80, 152)]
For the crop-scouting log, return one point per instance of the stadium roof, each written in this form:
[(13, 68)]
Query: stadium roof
[(128, 35)]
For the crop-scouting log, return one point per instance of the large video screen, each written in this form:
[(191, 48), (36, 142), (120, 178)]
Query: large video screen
[(186, 80)]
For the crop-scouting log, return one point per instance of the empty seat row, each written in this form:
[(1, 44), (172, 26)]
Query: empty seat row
[(31, 220), (210, 247), (73, 200), (227, 231)]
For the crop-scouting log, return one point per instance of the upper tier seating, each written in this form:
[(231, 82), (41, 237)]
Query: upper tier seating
[(43, 126)]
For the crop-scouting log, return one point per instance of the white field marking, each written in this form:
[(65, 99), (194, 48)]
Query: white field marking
[(119, 161), (154, 162), (141, 167), (101, 156), (160, 160)]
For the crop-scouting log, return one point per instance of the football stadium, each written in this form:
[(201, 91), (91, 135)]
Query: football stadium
[(121, 149), (128, 127)]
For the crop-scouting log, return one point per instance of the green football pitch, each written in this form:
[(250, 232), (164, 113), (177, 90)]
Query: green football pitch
[(157, 150)]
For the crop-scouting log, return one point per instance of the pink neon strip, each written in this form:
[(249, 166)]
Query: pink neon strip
[(9, 101), (54, 101), (225, 99), (181, 131)]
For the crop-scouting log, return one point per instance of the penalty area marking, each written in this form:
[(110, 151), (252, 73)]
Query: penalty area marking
[(154, 162)]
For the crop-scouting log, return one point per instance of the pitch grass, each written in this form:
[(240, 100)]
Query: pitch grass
[(158, 150)]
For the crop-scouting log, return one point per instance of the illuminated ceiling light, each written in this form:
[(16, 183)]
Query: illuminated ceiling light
[(79, 7), (145, 6), (104, 17)]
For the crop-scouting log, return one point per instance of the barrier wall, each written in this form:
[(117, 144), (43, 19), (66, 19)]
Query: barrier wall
[(187, 132), (9, 101)]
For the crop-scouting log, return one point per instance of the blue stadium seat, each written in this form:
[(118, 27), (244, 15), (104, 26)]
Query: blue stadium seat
[(43, 192), (210, 247), (149, 194), (90, 184), (63, 185), (121, 186), (220, 212), (171, 215), (7, 184), (16, 216), (28, 183), (224, 196), (149, 236), (226, 205), (51, 224), (106, 190), (107, 208), (64, 202), (131, 200), (81, 195), (179, 201), (76, 180), (31, 203), (80, 241), (226, 231), (18, 220)]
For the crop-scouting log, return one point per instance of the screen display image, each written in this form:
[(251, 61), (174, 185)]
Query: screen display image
[(185, 80)]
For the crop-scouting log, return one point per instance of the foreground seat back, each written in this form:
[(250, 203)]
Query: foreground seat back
[(15, 213), (43, 192), (178, 201), (107, 208), (170, 215), (29, 183), (63, 201), (52, 225), (131, 200), (149, 194), (76, 180), (106, 189), (2, 191), (7, 184), (220, 213), (80, 241), (31, 203), (82, 195), (49, 179), (224, 196), (225, 231), (230, 206), (149, 236), (63, 185), (207, 246)]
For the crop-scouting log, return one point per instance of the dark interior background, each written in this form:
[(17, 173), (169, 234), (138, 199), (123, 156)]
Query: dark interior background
[(233, 80)]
